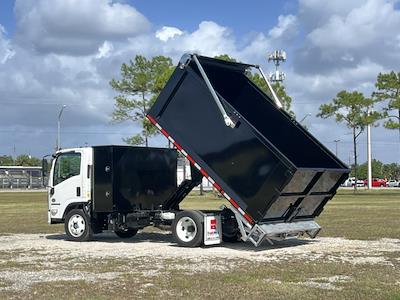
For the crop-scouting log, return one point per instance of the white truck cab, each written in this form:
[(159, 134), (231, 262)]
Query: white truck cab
[(69, 182)]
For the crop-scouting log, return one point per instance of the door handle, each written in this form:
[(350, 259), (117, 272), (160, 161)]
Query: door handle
[(51, 191), (78, 191)]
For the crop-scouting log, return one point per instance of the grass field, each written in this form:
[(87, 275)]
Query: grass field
[(373, 217), (364, 215)]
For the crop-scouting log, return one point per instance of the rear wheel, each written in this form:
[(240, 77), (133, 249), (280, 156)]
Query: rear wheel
[(187, 229), (126, 234), (77, 226)]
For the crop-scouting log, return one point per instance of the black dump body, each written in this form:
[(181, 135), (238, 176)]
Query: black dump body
[(268, 165), (126, 178)]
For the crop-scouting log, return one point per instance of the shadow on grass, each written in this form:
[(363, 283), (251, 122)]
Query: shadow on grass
[(109, 237), (160, 237)]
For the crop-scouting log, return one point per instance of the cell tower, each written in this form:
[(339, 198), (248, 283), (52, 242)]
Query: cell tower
[(278, 57)]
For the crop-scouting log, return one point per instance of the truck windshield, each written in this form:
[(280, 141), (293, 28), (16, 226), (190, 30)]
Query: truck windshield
[(67, 165)]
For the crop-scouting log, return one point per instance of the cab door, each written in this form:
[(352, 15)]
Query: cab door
[(65, 183)]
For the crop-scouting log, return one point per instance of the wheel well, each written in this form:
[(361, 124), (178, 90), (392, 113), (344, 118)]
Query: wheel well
[(76, 205)]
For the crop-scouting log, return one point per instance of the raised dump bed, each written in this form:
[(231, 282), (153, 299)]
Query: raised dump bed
[(267, 165)]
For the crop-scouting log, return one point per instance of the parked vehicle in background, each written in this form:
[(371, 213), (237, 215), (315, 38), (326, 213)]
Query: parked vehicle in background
[(351, 182), (377, 182), (393, 183)]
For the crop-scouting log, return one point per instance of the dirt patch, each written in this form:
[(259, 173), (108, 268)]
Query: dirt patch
[(53, 257), (327, 283), (23, 280), (33, 247)]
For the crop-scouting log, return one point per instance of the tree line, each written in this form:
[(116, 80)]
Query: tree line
[(379, 170), (357, 111), (21, 160)]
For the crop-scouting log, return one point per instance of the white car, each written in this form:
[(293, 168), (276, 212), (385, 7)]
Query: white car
[(393, 183), (351, 181)]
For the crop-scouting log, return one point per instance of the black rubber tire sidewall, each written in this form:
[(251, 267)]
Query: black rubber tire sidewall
[(230, 229), (197, 217), (126, 234), (86, 234)]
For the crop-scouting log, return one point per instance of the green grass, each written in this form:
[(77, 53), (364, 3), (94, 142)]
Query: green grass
[(365, 215), (25, 213)]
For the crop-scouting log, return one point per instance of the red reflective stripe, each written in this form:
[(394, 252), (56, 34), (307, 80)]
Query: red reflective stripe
[(216, 185), (151, 119), (233, 203), (164, 132), (247, 217), (178, 146), (203, 172), (190, 159)]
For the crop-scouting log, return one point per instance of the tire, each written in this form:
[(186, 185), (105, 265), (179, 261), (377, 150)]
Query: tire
[(187, 229), (126, 234), (230, 229), (77, 226)]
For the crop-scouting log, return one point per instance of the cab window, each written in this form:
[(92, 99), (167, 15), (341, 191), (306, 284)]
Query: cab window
[(67, 166)]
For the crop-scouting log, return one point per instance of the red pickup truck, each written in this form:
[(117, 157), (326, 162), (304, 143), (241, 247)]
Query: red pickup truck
[(376, 182)]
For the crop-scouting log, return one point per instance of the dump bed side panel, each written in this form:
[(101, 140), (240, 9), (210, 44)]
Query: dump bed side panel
[(245, 167), (271, 167)]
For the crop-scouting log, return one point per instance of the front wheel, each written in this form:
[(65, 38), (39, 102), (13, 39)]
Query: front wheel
[(77, 226), (187, 228), (126, 234)]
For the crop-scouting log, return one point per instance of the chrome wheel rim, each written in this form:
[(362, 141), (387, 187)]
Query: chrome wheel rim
[(186, 229), (76, 225)]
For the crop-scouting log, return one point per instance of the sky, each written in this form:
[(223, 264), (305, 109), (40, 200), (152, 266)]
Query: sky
[(56, 52)]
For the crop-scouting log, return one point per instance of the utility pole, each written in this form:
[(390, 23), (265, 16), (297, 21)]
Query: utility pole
[(304, 118), (336, 146), (369, 155), (59, 127)]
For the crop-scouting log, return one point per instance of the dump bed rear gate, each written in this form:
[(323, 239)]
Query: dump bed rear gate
[(268, 166)]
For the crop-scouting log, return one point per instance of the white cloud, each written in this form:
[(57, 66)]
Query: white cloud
[(6, 51), (347, 35), (375, 20), (315, 13), (105, 50), (210, 38), (286, 26), (74, 60), (166, 33), (75, 27)]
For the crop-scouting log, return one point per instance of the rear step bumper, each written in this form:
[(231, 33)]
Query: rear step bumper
[(282, 231)]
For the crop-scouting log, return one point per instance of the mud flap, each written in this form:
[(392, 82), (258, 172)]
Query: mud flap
[(212, 229)]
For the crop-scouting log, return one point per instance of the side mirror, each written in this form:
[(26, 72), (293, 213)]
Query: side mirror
[(45, 167), (45, 170)]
